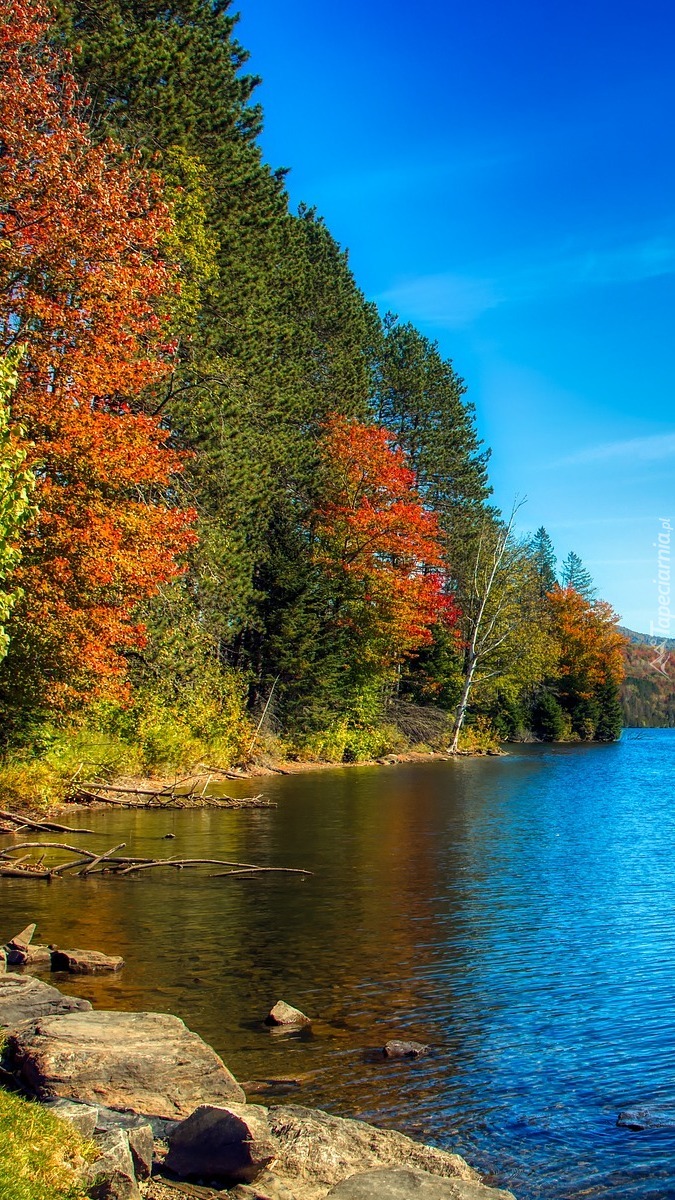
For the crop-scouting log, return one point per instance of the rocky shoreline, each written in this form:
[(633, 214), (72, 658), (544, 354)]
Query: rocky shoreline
[(168, 1117)]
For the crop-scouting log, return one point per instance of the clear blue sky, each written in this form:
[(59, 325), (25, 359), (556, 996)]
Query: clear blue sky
[(503, 174)]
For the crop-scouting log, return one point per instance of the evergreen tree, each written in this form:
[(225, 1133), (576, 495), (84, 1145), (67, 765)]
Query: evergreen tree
[(543, 554), (575, 575), (274, 335)]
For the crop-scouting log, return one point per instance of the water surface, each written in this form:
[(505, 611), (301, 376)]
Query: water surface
[(516, 913)]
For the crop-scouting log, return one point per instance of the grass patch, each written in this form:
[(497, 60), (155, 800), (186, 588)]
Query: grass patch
[(41, 1157)]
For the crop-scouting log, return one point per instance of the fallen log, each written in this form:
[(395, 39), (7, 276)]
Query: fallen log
[(48, 826), (23, 873)]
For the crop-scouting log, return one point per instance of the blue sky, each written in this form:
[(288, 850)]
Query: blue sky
[(503, 174)]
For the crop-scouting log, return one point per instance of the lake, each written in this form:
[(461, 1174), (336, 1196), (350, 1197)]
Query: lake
[(516, 913)]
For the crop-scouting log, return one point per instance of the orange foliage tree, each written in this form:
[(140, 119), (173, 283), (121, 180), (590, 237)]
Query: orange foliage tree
[(378, 544), (82, 279), (592, 662), (592, 645)]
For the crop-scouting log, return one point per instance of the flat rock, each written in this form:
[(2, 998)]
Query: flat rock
[(398, 1049), (317, 1151), (231, 1143), (402, 1183), (23, 998), (85, 962), (3, 961), (146, 1063), (647, 1118), (112, 1173), (285, 1014), (83, 1117)]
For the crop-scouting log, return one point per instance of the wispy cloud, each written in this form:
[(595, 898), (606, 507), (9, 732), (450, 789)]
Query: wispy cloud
[(643, 449), (452, 300), (458, 299)]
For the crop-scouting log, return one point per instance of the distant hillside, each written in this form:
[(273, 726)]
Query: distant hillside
[(645, 639), (648, 691)]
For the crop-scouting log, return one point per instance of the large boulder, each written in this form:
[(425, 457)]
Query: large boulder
[(317, 1151), (231, 1143), (404, 1183), (146, 1063), (85, 962), (23, 998)]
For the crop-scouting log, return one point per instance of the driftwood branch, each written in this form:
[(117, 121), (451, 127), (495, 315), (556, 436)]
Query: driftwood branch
[(100, 857), (111, 863), (48, 826), (196, 797)]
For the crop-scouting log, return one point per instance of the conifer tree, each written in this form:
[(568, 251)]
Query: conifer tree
[(575, 575), (543, 555)]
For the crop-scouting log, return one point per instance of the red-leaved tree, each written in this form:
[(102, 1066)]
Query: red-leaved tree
[(378, 543), (82, 279)]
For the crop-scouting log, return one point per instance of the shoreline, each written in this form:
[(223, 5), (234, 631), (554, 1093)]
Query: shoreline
[(206, 775)]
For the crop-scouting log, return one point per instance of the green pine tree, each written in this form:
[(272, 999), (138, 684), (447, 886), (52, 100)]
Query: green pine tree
[(575, 575), (541, 550)]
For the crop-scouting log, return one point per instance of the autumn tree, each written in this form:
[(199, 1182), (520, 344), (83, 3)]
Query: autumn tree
[(82, 279), (375, 585), (591, 663), (17, 482)]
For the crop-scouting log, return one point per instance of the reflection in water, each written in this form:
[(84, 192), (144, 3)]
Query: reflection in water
[(517, 913)]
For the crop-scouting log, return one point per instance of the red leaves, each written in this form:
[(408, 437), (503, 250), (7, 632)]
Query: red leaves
[(81, 279), (374, 530)]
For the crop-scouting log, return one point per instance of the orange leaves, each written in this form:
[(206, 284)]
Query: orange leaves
[(592, 647), (373, 530), (81, 281)]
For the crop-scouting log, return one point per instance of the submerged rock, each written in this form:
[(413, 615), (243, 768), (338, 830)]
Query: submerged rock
[(146, 1063), (23, 998), (231, 1143), (647, 1118), (285, 1014), (396, 1049), (388, 1183), (85, 962)]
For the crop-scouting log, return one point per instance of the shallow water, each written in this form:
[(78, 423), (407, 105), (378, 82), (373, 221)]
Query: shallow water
[(517, 913)]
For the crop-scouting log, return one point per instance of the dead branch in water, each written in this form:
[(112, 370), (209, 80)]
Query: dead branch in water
[(129, 797), (28, 823), (110, 863)]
